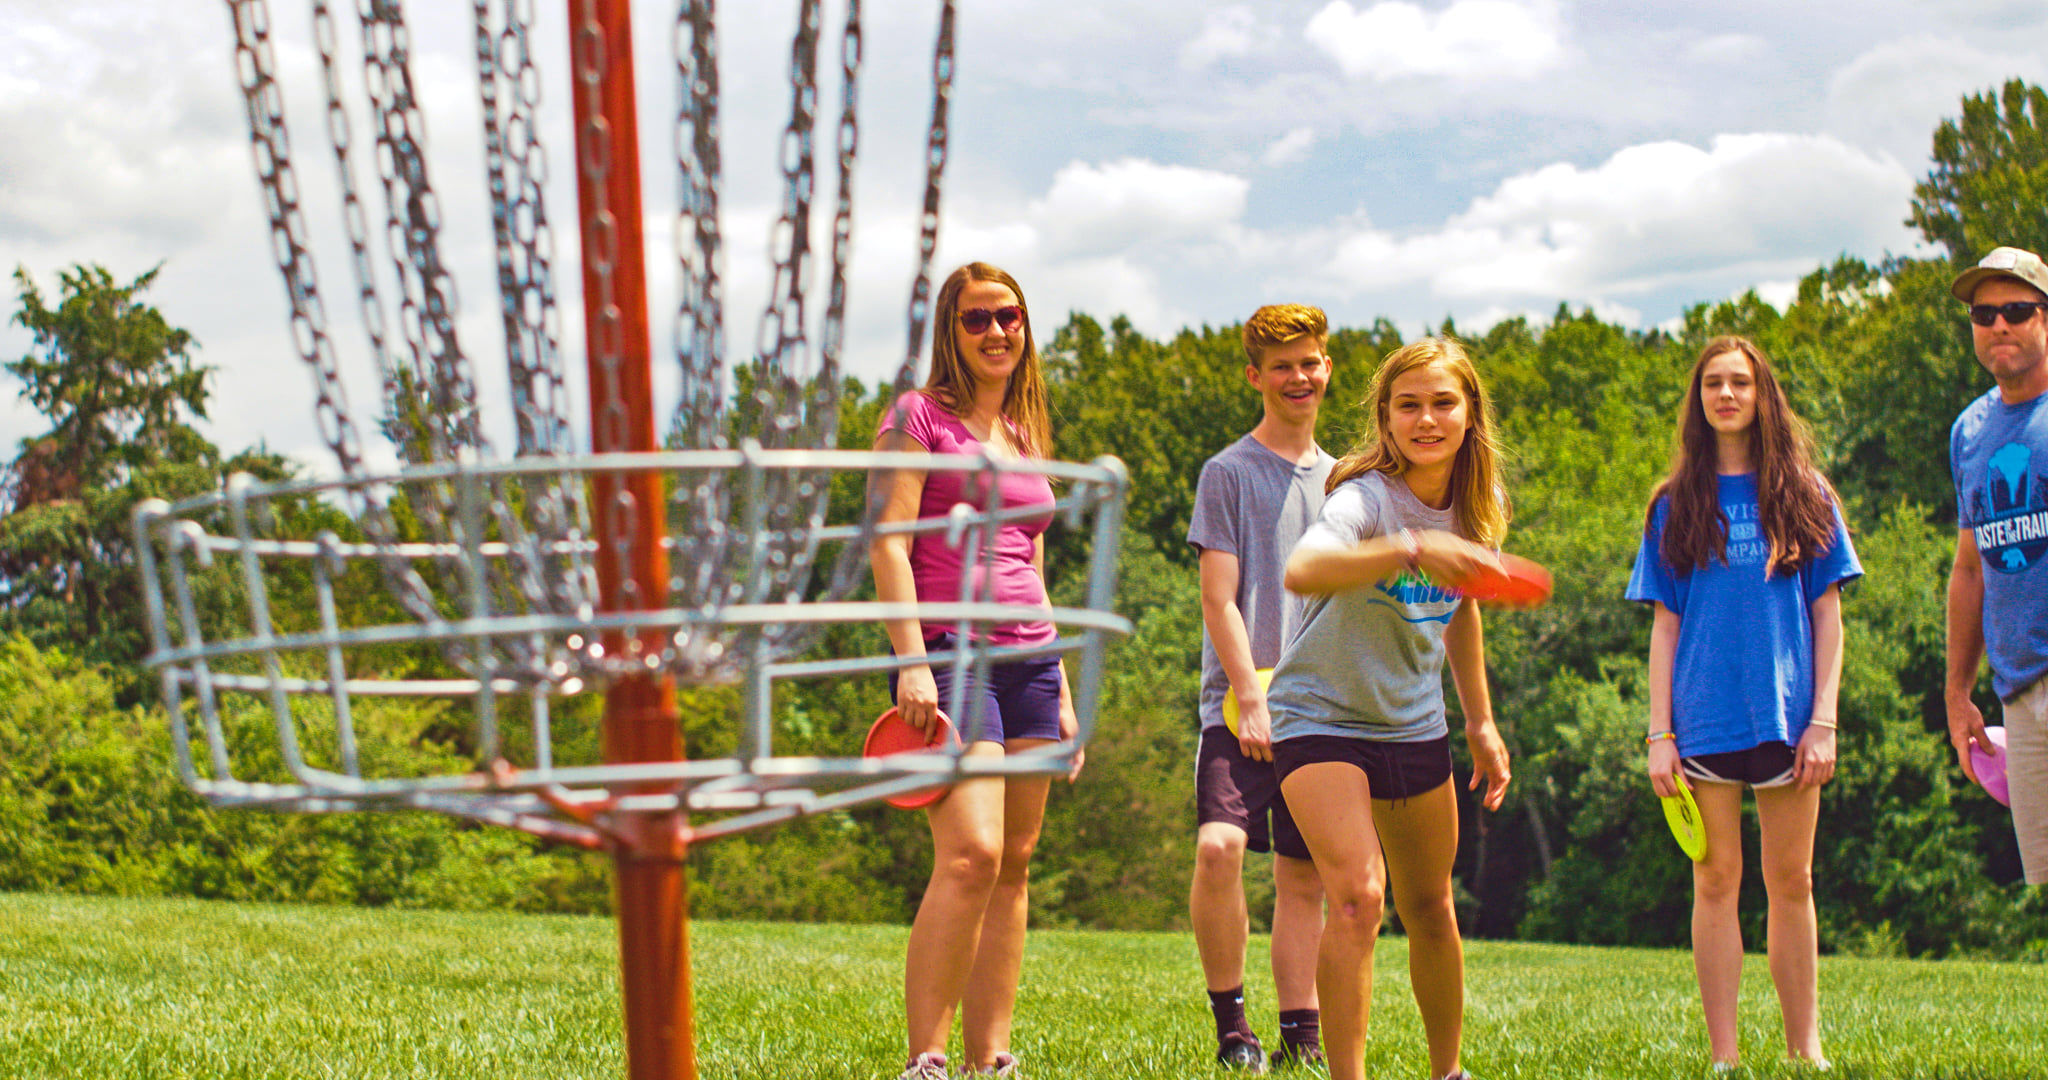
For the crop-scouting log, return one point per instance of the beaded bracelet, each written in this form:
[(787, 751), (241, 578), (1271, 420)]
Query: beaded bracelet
[(1655, 736)]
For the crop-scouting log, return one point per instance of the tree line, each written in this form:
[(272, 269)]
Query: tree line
[(1910, 859)]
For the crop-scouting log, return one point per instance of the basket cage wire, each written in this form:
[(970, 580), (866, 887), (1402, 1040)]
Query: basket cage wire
[(493, 563)]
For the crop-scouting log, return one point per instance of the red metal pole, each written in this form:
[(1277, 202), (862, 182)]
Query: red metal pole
[(640, 722)]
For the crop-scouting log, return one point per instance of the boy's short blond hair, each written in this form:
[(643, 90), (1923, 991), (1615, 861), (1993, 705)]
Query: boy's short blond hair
[(1278, 324)]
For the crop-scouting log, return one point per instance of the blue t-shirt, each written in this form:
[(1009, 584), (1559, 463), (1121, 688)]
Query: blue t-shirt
[(1994, 453), (1743, 673)]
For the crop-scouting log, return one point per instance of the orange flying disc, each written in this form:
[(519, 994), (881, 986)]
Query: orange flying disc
[(1519, 582), (891, 735)]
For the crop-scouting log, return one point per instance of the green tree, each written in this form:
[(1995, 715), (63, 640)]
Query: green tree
[(120, 389), (1989, 186)]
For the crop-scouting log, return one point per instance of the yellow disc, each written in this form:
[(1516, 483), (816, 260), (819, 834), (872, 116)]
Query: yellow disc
[(1683, 815), (1230, 699)]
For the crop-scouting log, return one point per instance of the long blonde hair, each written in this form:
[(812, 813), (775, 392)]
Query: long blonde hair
[(1477, 495), (951, 384)]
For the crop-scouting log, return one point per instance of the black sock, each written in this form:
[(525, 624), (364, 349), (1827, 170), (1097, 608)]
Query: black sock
[(1302, 1028), (1228, 1005)]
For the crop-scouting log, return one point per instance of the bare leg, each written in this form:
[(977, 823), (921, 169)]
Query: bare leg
[(1420, 836), (967, 837), (991, 1000), (1787, 816), (1333, 806), (1716, 932), (1216, 904), (1297, 930)]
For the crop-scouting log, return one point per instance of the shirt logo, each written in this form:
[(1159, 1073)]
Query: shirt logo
[(2016, 536), (1409, 590)]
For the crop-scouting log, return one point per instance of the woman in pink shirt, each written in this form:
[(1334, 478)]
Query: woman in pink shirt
[(985, 395)]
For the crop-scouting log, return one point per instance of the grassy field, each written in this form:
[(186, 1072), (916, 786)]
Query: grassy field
[(182, 989)]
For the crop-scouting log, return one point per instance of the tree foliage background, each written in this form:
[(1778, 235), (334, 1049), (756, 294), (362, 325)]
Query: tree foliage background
[(1911, 859)]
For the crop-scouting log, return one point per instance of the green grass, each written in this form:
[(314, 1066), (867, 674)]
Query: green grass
[(174, 988)]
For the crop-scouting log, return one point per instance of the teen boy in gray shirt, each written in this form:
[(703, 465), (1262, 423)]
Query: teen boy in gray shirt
[(1253, 501)]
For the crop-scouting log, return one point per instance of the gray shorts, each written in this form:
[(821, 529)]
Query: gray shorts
[(2026, 776)]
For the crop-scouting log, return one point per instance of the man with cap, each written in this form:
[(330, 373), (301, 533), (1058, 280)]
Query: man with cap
[(1998, 592)]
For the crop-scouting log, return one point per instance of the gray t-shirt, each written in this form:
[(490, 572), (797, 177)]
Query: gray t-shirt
[(1368, 663), (1252, 503)]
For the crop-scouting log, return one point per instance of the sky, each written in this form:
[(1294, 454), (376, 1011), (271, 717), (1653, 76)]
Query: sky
[(1180, 162)]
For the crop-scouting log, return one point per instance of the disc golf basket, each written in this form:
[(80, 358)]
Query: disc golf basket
[(716, 554)]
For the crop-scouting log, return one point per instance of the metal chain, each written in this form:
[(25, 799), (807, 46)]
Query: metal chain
[(256, 65), (823, 392), (700, 312), (527, 303), (519, 219), (439, 408)]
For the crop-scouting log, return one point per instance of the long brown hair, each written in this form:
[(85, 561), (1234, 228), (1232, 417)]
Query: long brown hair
[(951, 384), (1795, 502), (1477, 496)]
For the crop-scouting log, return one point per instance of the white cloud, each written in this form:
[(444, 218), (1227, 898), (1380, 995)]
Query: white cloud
[(1892, 97), (1727, 49), (1101, 209), (1651, 216), (1230, 32), (1469, 39), (1289, 148)]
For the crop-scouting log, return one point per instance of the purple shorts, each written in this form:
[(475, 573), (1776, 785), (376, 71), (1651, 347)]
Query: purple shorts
[(1393, 770), (1020, 701), (1234, 789)]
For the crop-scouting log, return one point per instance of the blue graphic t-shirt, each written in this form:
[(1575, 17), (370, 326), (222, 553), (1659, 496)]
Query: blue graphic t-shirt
[(1743, 673), (2001, 477), (1368, 662)]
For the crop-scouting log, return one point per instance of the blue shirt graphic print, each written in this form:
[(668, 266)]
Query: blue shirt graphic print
[(2015, 534), (1408, 594)]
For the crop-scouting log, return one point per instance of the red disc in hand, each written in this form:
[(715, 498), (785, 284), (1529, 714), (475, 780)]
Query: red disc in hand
[(892, 735), (1519, 583)]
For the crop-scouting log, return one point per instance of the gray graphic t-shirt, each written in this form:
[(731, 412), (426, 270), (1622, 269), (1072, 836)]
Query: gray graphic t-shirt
[(1368, 663), (1252, 503)]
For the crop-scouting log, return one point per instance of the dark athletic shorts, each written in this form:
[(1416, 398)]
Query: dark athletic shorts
[(1234, 789), (1393, 770), (1761, 766), (1021, 700)]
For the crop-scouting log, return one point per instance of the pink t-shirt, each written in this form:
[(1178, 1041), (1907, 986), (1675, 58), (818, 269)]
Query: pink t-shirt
[(1007, 576)]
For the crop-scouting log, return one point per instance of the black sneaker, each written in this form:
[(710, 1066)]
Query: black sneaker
[(1242, 1052), (1290, 1055)]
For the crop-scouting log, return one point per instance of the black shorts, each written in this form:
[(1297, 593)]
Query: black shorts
[(1761, 766), (1393, 770), (1234, 789)]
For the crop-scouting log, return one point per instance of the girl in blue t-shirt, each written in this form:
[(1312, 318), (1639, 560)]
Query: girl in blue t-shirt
[(1743, 555)]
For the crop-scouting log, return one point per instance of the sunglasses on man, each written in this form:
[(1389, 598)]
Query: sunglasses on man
[(2016, 313), (976, 320)]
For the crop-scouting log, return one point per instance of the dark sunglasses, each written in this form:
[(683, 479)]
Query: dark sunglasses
[(2016, 313), (976, 320)]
